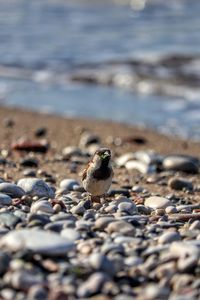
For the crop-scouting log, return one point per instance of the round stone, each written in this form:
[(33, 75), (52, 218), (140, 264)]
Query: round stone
[(156, 202), (121, 227), (71, 151), (71, 234), (92, 285), (42, 206), (100, 262), (171, 210), (35, 187), (68, 184), (5, 199), (78, 209), (11, 189), (37, 241), (177, 183), (8, 219), (169, 237), (128, 208), (102, 222), (123, 159)]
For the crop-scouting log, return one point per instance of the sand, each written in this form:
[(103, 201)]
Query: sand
[(62, 132)]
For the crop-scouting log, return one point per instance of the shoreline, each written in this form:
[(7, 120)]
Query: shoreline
[(66, 131)]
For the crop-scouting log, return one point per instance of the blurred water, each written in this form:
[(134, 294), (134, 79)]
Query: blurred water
[(42, 39)]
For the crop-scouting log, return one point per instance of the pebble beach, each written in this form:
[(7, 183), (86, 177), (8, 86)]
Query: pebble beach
[(140, 242)]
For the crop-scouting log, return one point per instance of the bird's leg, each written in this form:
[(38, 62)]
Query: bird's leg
[(95, 199), (103, 199)]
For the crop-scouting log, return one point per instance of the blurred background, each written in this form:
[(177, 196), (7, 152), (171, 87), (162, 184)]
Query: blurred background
[(135, 61)]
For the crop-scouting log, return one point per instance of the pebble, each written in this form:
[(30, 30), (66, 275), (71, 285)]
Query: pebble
[(68, 184), (24, 279), (29, 173), (128, 208), (42, 206), (35, 187), (92, 285), (148, 157), (182, 163), (37, 292), (140, 167), (37, 241), (195, 225), (177, 183), (4, 262), (11, 190), (183, 249), (169, 237), (137, 189), (29, 162), (70, 151), (102, 222), (123, 159), (171, 210), (156, 202), (5, 199), (8, 219), (78, 209), (100, 262), (122, 227), (71, 234)]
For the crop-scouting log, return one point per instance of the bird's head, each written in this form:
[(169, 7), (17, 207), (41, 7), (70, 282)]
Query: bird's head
[(102, 157)]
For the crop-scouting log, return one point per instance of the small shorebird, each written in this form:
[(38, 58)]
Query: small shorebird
[(97, 176)]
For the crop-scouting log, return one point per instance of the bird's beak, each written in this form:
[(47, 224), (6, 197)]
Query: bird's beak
[(106, 154)]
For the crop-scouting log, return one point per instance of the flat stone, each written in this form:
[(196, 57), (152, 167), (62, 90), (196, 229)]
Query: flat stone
[(70, 151), (35, 187), (124, 158), (92, 285), (8, 219), (100, 262), (78, 209), (133, 261), (5, 199), (29, 162), (37, 241), (42, 206), (102, 222), (156, 202), (177, 183), (184, 249), (148, 157), (122, 227), (195, 225), (184, 163), (128, 208), (24, 279), (169, 237), (140, 167), (71, 234), (11, 190)]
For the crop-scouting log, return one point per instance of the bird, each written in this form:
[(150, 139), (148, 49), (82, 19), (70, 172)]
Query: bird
[(98, 174)]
